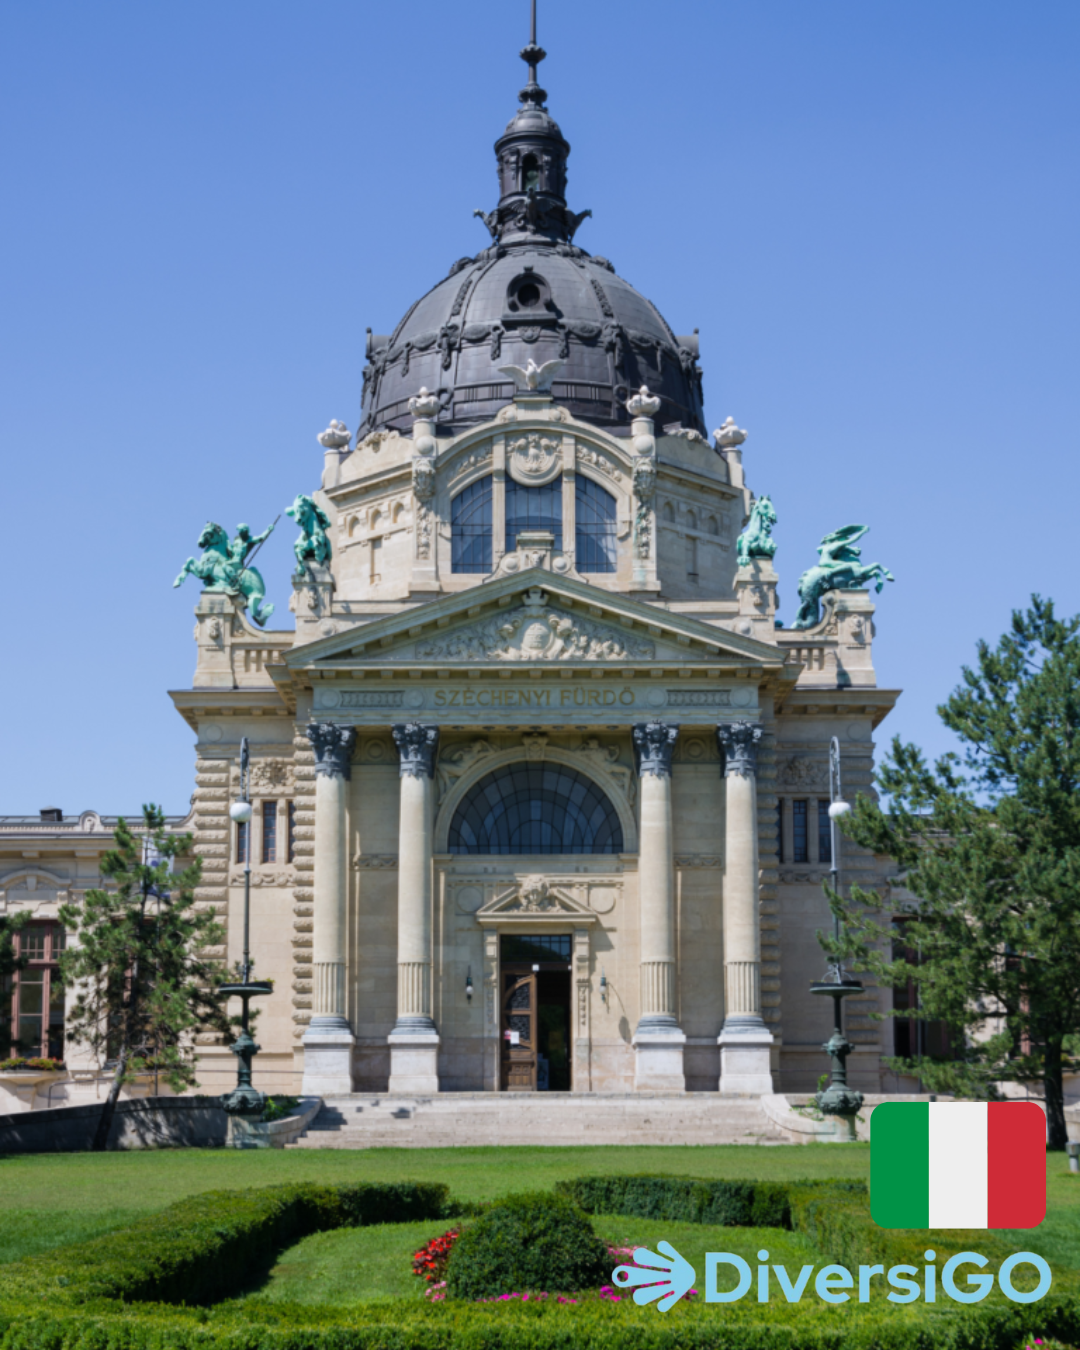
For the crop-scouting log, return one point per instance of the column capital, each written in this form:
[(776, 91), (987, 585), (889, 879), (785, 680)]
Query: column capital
[(333, 746), (738, 741), (653, 746), (416, 745)]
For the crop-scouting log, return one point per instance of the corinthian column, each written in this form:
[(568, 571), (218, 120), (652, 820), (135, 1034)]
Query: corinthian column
[(745, 1041), (414, 1042), (328, 1041), (658, 1040)]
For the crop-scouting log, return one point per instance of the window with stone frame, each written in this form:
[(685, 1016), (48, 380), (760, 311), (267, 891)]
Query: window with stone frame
[(595, 527), (534, 508), (800, 835), (470, 528), (32, 1000), (824, 833), (915, 1037), (270, 830), (535, 808), (290, 850)]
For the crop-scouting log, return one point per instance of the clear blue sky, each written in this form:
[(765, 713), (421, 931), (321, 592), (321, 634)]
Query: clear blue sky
[(870, 211)]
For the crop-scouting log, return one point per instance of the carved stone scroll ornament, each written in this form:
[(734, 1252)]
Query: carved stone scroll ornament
[(738, 741), (269, 776), (423, 477), (459, 761), (803, 773), (654, 743), (333, 746), (536, 633), (644, 491), (534, 459), (605, 758), (417, 746)]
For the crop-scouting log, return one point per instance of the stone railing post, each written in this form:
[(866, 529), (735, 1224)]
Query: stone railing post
[(658, 1039), (328, 1040), (745, 1042), (414, 1041)]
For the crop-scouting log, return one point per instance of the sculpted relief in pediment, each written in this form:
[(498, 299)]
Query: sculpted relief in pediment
[(536, 632)]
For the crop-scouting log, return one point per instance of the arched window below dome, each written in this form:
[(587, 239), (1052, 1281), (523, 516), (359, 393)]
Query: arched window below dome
[(470, 528), (530, 174), (533, 508), (535, 808), (595, 547)]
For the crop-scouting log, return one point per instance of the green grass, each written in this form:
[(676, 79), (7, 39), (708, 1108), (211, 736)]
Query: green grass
[(49, 1200), (356, 1265)]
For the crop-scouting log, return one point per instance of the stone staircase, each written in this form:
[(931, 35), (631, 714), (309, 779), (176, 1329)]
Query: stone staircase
[(455, 1119)]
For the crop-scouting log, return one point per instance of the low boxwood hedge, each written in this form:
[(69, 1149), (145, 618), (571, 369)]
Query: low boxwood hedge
[(742, 1204), (210, 1245), (96, 1295)]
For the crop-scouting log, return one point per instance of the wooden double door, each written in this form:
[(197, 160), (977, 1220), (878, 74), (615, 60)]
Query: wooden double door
[(536, 1028)]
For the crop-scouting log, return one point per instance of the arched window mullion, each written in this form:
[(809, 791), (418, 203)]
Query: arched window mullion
[(526, 808)]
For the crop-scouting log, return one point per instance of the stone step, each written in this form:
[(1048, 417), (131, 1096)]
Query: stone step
[(453, 1119)]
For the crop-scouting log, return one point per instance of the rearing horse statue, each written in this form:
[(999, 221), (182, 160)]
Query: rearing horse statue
[(221, 568), (837, 569)]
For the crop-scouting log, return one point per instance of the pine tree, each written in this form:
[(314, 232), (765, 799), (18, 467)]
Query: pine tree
[(143, 987), (989, 844)]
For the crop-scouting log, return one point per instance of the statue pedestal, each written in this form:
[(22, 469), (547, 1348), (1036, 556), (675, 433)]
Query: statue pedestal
[(755, 590), (311, 601)]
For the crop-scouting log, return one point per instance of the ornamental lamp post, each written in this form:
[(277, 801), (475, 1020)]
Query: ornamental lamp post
[(837, 1099), (245, 1100)]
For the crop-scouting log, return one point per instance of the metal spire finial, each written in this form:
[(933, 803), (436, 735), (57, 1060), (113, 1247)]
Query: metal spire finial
[(532, 55)]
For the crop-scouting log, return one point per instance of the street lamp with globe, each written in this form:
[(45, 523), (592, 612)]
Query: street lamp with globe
[(837, 1099), (244, 1100)]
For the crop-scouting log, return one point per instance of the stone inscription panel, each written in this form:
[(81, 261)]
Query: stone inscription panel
[(581, 701)]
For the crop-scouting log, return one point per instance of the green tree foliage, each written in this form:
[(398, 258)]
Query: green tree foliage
[(989, 844), (142, 986), (10, 924)]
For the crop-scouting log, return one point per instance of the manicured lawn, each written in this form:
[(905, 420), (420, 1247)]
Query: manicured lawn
[(354, 1265), (50, 1200)]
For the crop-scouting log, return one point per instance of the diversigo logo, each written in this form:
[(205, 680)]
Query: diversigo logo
[(977, 1165)]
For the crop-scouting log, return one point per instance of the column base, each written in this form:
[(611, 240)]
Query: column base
[(414, 1061), (658, 1061), (328, 1052), (744, 1061)]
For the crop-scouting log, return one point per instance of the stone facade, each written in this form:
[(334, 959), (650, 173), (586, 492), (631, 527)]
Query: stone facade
[(689, 948)]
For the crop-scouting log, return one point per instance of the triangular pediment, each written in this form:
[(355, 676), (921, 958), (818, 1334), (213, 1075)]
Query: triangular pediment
[(534, 617), (531, 899)]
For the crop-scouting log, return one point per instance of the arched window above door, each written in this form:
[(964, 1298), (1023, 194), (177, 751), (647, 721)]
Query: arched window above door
[(535, 808)]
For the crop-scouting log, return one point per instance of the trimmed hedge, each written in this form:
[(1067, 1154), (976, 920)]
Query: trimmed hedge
[(527, 1242), (209, 1246), (516, 1326), (734, 1204)]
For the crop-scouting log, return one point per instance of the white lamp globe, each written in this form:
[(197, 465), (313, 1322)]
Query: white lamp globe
[(838, 809), (240, 812)]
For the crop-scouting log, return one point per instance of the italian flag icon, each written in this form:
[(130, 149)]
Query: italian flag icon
[(958, 1165)]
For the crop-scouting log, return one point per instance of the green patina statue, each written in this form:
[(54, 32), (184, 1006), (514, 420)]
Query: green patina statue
[(756, 540), (313, 546), (222, 567), (838, 569)]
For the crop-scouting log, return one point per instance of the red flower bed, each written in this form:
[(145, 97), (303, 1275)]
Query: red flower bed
[(430, 1261)]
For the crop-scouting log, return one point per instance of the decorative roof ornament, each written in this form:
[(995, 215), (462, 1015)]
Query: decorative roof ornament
[(533, 379), (532, 55), (425, 404), (643, 403), (336, 436), (729, 437), (838, 569), (532, 155)]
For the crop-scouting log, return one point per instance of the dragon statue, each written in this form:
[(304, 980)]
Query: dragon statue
[(313, 545), (837, 569), (223, 568), (756, 540)]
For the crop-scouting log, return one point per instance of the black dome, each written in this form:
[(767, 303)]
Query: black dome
[(532, 294)]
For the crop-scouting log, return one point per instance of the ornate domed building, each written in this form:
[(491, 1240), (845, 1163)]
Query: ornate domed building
[(540, 784)]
